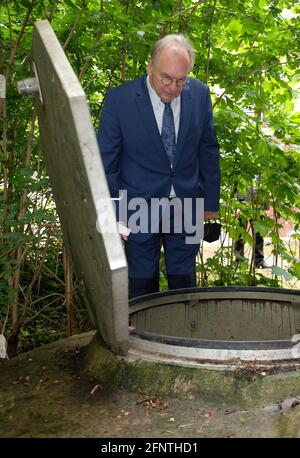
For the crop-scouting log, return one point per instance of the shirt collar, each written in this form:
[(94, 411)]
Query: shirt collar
[(156, 100)]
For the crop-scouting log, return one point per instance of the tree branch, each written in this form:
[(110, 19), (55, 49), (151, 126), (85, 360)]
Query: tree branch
[(209, 40)]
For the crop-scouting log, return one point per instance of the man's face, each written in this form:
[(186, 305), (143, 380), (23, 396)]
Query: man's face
[(167, 76)]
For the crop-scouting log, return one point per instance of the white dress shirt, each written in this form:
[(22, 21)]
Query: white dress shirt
[(158, 109)]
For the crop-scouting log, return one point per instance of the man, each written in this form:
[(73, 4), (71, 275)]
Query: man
[(157, 140), (239, 244)]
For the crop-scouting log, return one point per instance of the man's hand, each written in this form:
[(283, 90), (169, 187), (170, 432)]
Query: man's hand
[(210, 215), (123, 230)]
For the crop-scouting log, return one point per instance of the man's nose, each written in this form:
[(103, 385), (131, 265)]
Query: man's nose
[(173, 85)]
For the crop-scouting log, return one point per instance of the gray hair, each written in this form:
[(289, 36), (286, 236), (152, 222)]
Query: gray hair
[(176, 40)]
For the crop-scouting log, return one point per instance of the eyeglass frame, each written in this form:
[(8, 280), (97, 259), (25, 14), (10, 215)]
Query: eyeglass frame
[(166, 77)]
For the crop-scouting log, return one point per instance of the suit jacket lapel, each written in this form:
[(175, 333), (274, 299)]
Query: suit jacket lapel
[(185, 117), (146, 111)]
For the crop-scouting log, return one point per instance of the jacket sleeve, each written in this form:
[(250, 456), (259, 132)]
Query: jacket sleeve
[(209, 160), (109, 138)]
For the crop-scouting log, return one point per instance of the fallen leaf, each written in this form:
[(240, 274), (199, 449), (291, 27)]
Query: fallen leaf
[(152, 403), (167, 431), (228, 412), (41, 384), (95, 389), (188, 425), (164, 414)]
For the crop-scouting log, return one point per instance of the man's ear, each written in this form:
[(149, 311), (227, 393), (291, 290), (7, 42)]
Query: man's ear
[(149, 68)]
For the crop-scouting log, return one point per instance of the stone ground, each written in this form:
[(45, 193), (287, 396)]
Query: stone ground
[(43, 395)]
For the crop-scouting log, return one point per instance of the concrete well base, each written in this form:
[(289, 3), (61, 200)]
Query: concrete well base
[(246, 385)]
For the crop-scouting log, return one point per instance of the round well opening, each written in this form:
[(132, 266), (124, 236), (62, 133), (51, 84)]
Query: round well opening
[(219, 323)]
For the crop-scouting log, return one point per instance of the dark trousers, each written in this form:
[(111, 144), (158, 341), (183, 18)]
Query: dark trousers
[(143, 263), (143, 258)]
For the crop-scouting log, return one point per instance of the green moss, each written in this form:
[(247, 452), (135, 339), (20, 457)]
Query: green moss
[(100, 362), (289, 425)]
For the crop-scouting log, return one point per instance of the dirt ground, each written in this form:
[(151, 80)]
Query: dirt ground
[(43, 395)]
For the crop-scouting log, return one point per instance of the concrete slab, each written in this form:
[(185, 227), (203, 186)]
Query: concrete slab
[(80, 189)]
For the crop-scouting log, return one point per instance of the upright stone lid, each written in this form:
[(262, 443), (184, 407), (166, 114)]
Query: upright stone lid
[(80, 189)]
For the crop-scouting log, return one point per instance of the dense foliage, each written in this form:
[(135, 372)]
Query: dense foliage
[(247, 51)]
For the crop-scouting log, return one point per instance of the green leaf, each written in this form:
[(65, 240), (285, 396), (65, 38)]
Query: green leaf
[(281, 273), (295, 270), (260, 227)]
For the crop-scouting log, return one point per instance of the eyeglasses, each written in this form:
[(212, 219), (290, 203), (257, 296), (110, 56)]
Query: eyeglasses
[(167, 80)]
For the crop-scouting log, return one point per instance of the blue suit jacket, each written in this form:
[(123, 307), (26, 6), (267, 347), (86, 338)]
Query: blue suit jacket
[(133, 154)]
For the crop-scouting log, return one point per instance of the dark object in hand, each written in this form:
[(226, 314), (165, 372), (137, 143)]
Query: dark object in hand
[(212, 231)]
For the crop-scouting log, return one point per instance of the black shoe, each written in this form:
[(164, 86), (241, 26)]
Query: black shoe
[(262, 265)]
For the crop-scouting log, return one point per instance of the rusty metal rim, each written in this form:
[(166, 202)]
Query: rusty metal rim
[(256, 345)]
